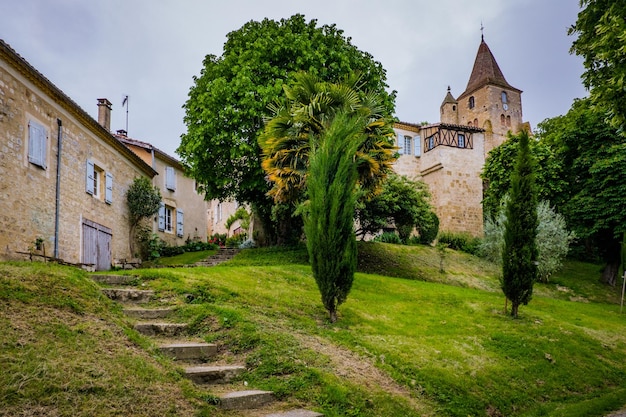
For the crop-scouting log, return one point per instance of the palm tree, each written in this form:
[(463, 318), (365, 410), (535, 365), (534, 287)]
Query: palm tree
[(306, 112)]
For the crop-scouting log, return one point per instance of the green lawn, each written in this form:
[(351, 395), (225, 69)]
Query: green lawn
[(417, 343)]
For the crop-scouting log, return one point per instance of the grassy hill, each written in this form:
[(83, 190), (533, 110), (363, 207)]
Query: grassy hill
[(410, 340)]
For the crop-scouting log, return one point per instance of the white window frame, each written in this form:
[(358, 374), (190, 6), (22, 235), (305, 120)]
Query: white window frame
[(167, 225), (407, 144), (461, 140)]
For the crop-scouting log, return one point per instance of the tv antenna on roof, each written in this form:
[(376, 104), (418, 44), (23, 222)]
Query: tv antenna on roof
[(125, 102)]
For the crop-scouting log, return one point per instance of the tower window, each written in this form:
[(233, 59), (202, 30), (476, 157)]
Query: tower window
[(472, 104), (504, 97), (508, 121), (476, 122), (502, 120), (453, 107), (461, 141)]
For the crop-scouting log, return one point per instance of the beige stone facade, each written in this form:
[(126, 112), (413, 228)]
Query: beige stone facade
[(449, 156), (83, 219), (184, 214)]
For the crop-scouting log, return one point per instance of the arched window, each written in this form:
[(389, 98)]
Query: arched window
[(502, 120), (453, 107), (508, 121), (471, 102), (476, 122), (469, 123), (504, 97)]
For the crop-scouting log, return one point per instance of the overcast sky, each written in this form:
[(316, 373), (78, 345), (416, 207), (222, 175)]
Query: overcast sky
[(151, 49)]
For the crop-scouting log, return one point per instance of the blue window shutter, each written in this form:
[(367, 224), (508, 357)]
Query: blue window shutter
[(37, 144), (179, 223), (401, 144), (89, 177), (108, 194), (162, 217), (417, 145), (170, 178)]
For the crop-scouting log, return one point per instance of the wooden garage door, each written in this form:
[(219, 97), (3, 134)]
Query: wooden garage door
[(96, 245)]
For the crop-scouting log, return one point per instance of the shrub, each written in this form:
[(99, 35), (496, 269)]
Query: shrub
[(388, 237), (463, 242), (428, 230), (235, 241)]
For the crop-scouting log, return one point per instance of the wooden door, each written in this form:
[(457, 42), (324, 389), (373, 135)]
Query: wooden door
[(96, 245)]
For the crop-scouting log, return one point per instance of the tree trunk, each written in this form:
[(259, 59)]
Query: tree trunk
[(514, 308), (609, 274), (332, 315)]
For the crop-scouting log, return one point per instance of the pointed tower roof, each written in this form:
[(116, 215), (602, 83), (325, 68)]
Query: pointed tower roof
[(449, 99), (486, 71)]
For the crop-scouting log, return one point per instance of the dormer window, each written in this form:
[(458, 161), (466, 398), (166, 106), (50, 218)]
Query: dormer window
[(472, 104)]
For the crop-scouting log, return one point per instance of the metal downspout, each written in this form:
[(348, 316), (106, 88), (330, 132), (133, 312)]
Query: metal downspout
[(58, 190)]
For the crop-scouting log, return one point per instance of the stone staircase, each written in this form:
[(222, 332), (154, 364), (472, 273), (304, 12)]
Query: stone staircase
[(222, 255), (193, 355)]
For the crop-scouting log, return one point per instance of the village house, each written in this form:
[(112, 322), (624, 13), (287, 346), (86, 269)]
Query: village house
[(63, 177), (183, 216)]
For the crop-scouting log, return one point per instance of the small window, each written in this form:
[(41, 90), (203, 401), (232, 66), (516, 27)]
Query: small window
[(472, 104), (37, 144), (407, 145), (431, 142), (508, 121), (502, 120), (453, 107), (98, 183), (504, 97), (476, 122), (461, 140), (170, 178)]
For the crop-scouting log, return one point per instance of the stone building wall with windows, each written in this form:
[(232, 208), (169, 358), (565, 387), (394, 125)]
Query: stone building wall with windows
[(184, 213), (85, 218)]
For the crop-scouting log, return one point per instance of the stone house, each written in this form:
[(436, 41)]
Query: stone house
[(63, 177), (184, 212), (449, 155)]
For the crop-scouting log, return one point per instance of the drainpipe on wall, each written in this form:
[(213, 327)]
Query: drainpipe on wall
[(58, 190)]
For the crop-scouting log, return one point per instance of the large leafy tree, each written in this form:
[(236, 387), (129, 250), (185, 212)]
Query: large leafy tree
[(519, 255), (500, 164), (229, 99), (403, 202), (601, 42), (593, 158), (306, 111)]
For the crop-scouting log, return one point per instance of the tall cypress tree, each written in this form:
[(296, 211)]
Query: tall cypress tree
[(519, 257), (329, 224)]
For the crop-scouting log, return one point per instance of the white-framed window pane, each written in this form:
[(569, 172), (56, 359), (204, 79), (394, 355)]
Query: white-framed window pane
[(407, 145)]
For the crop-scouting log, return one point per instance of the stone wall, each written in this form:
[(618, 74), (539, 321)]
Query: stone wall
[(184, 197), (28, 191)]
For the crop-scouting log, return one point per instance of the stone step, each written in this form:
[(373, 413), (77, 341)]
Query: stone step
[(213, 374), (128, 295), (148, 313), (114, 279), (189, 350), (296, 413), (161, 329), (241, 400)]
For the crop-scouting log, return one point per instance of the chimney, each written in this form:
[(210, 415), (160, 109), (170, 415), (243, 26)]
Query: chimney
[(104, 113)]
